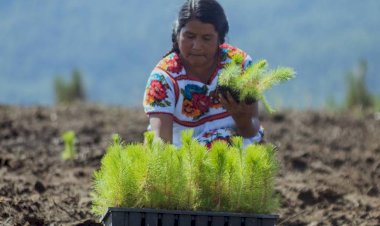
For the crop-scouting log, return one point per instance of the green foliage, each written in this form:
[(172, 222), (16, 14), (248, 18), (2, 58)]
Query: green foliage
[(69, 151), (116, 138), (249, 85), (71, 91), (377, 103), (159, 175), (358, 99), (258, 186), (357, 94)]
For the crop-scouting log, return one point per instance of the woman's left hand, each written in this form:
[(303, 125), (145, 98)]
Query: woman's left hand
[(244, 115)]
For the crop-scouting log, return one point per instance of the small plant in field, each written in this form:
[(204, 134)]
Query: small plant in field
[(159, 175), (116, 138), (249, 85), (357, 94), (69, 151), (70, 91)]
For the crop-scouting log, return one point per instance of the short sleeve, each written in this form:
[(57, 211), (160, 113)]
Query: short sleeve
[(228, 52), (247, 62), (159, 96)]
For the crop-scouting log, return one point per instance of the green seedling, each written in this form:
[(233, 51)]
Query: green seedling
[(155, 174), (69, 151), (249, 85), (116, 138)]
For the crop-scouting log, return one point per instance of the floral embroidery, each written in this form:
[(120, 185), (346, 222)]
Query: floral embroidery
[(195, 102), (191, 102), (189, 110), (171, 63), (215, 101), (230, 51), (156, 92), (201, 102), (210, 137), (211, 133)]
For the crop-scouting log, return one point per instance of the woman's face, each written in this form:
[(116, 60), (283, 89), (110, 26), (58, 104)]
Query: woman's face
[(198, 44)]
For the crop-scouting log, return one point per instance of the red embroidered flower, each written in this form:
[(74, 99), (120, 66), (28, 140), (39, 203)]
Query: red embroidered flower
[(201, 102), (157, 90), (174, 64), (224, 46)]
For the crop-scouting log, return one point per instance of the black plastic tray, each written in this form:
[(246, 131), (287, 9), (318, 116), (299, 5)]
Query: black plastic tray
[(159, 217)]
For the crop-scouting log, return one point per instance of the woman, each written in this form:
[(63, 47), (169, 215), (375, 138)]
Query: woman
[(181, 90)]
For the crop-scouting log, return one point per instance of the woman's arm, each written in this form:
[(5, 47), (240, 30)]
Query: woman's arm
[(246, 116), (162, 125)]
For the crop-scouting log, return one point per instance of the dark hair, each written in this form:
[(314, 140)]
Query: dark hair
[(207, 11)]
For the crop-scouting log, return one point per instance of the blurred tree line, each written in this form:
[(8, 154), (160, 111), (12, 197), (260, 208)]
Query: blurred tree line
[(357, 97), (314, 37), (68, 92)]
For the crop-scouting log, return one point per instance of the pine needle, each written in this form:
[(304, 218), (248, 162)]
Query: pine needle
[(249, 85), (159, 175)]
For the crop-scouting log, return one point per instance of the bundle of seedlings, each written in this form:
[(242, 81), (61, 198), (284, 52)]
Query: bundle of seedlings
[(250, 84), (158, 175)]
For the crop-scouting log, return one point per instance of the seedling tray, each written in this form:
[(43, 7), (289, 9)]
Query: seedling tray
[(159, 217)]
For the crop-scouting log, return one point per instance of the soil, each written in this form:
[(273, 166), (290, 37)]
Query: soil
[(330, 163)]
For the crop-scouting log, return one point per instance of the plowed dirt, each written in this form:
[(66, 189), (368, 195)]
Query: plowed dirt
[(330, 164)]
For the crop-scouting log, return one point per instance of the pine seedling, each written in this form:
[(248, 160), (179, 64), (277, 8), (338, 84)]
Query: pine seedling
[(133, 174), (108, 188), (69, 151), (149, 138), (194, 159), (163, 174), (159, 175), (237, 142), (218, 175), (165, 177), (116, 139), (252, 178), (259, 172), (233, 179), (228, 79), (152, 147), (269, 200), (249, 85), (121, 178), (236, 173)]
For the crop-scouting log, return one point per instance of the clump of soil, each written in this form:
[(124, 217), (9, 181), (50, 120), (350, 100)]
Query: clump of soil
[(330, 164)]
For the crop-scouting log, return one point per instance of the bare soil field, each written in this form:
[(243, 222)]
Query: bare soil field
[(330, 163)]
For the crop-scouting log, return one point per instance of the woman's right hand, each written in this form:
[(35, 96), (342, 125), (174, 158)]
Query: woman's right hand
[(246, 116), (162, 126)]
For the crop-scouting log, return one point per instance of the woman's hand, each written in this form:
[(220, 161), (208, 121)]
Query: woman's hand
[(246, 116)]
